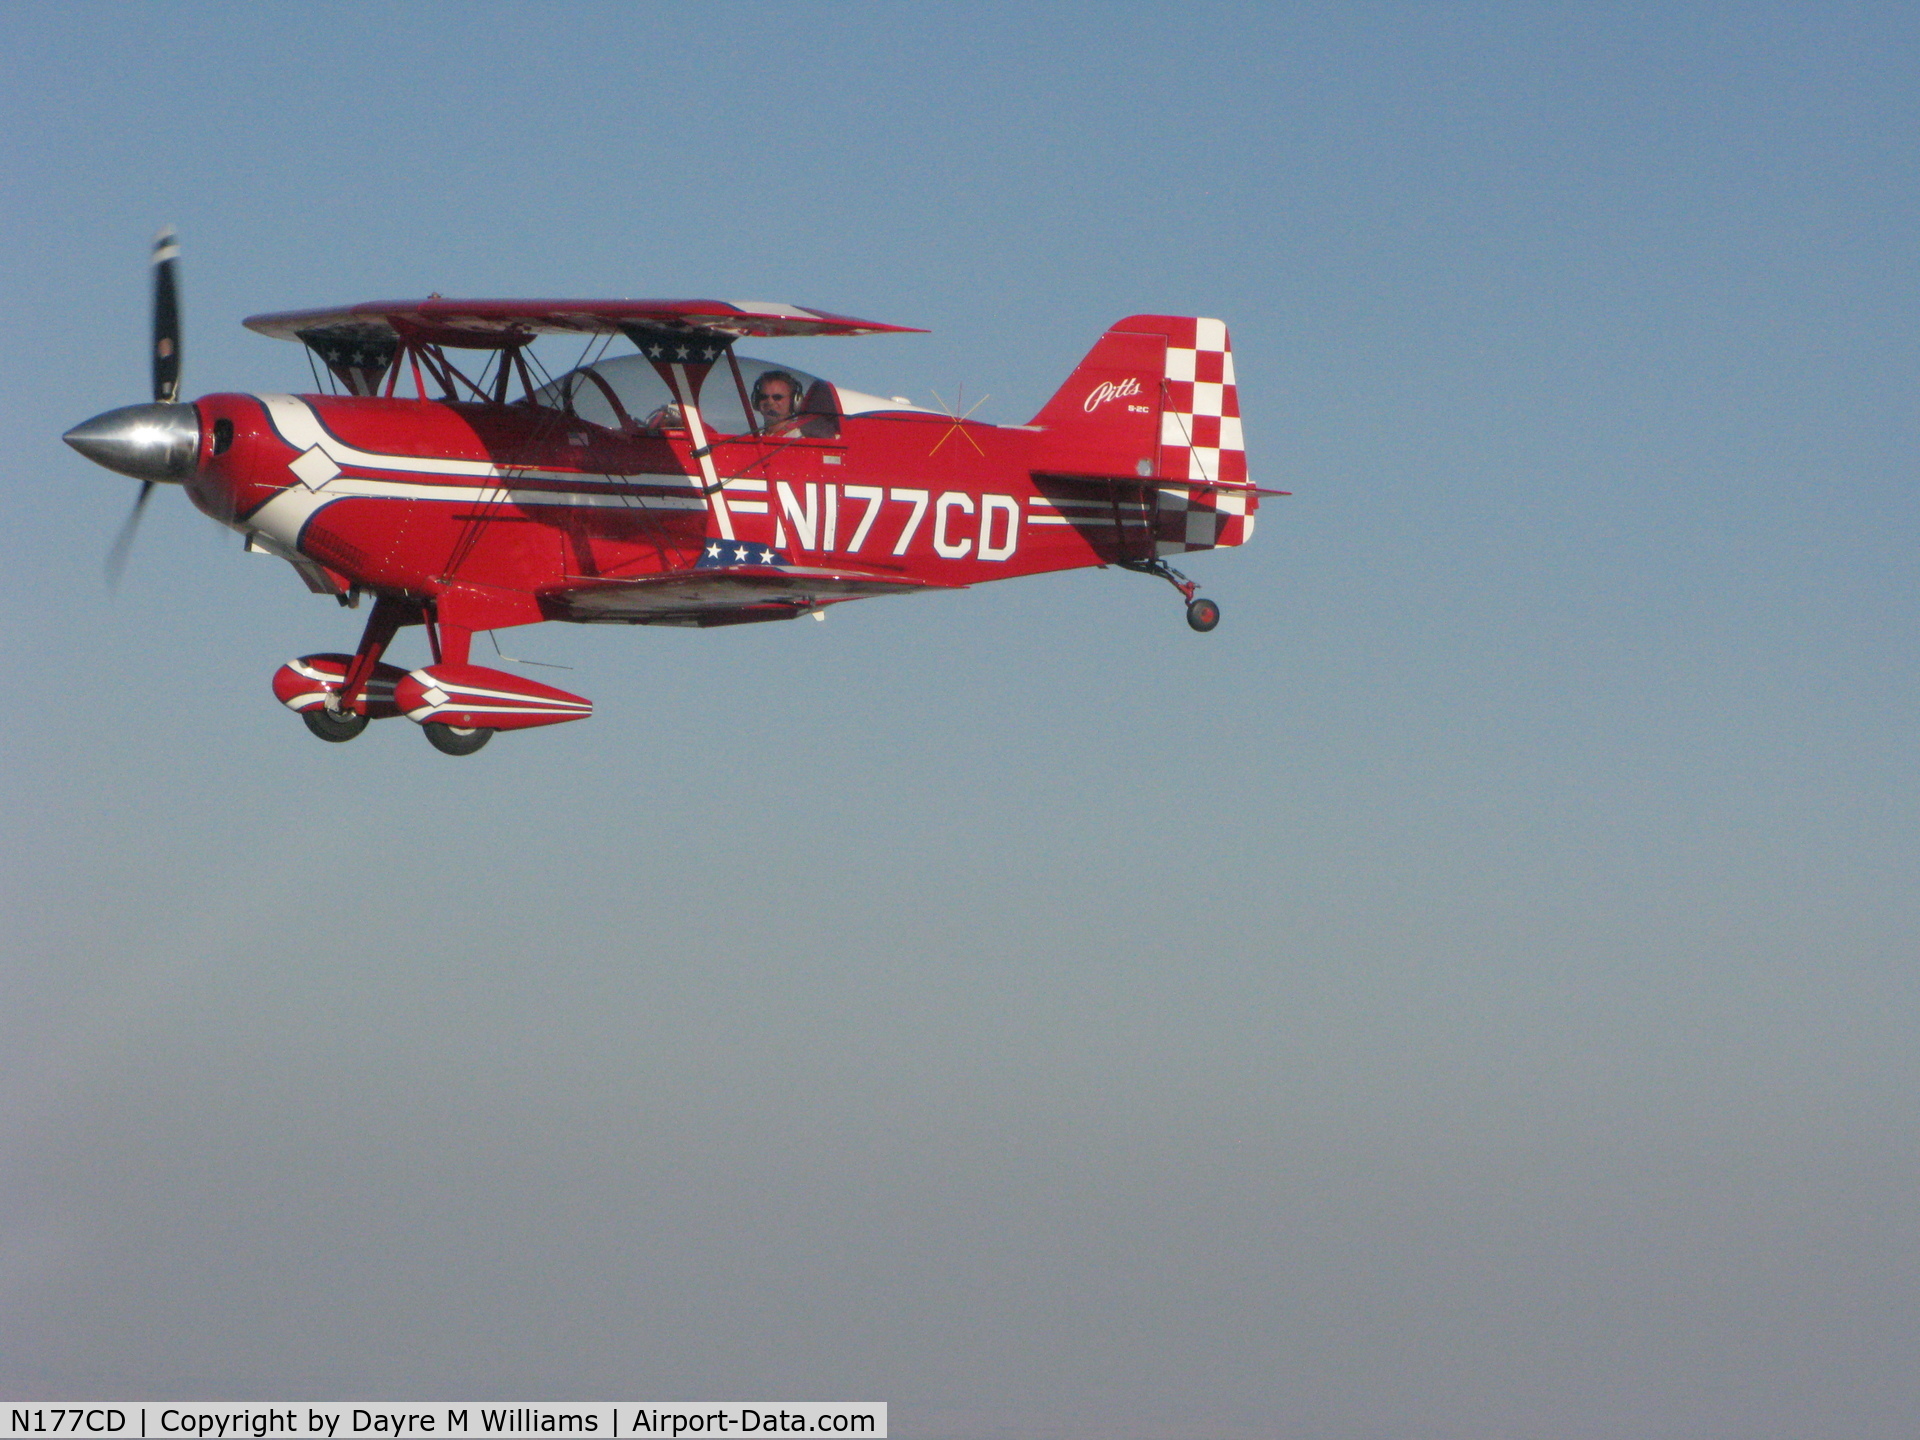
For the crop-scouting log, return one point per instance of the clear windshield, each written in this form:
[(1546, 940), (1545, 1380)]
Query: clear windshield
[(622, 394)]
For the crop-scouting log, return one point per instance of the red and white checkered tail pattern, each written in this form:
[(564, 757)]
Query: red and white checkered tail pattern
[(1200, 435), (1200, 440), (1202, 517)]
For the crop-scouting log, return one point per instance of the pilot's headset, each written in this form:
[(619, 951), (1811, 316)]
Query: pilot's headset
[(792, 382)]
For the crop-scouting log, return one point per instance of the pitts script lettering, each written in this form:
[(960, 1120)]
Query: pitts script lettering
[(1109, 390)]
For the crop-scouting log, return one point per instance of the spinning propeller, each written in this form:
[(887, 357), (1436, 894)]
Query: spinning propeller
[(156, 442)]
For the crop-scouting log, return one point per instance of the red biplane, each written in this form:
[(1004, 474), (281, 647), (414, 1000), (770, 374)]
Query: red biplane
[(683, 484)]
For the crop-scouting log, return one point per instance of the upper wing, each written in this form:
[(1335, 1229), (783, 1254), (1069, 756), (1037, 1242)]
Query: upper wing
[(491, 324)]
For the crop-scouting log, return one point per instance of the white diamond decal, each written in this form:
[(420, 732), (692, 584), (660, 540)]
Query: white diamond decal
[(315, 468)]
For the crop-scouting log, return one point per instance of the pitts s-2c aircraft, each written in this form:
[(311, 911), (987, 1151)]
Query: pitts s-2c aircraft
[(635, 490)]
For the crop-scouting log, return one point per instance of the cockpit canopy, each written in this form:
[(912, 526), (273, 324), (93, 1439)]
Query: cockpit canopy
[(626, 393)]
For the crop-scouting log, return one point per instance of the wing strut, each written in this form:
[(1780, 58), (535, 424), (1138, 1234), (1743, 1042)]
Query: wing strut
[(716, 492), (683, 357)]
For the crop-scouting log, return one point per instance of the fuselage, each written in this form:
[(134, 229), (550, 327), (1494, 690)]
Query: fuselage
[(543, 515)]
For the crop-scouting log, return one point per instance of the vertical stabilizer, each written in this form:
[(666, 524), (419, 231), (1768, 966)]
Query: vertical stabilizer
[(1156, 400)]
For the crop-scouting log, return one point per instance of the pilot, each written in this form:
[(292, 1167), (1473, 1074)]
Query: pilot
[(783, 409), (776, 400)]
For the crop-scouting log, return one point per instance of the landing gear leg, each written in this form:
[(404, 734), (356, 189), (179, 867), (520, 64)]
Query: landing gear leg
[(349, 701), (1202, 615), (451, 646), (343, 713)]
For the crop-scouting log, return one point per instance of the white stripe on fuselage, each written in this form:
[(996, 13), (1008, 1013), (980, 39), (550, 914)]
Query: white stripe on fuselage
[(296, 424), (284, 516)]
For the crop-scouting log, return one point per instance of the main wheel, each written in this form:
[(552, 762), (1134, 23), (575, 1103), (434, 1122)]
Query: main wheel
[(449, 740), (337, 727), (1203, 615)]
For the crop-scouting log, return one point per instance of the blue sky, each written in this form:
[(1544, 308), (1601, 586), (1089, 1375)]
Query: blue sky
[(1470, 993)]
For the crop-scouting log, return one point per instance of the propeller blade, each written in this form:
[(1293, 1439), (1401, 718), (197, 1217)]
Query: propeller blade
[(123, 542), (166, 324)]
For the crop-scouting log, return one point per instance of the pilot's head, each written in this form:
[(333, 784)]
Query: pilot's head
[(776, 396)]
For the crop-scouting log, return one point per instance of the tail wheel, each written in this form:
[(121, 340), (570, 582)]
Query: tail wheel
[(336, 728), (451, 740), (1203, 615)]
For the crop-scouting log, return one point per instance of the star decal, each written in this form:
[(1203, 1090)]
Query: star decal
[(667, 343), (725, 554)]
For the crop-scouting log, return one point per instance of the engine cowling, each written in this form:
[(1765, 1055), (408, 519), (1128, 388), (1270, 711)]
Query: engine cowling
[(474, 697)]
